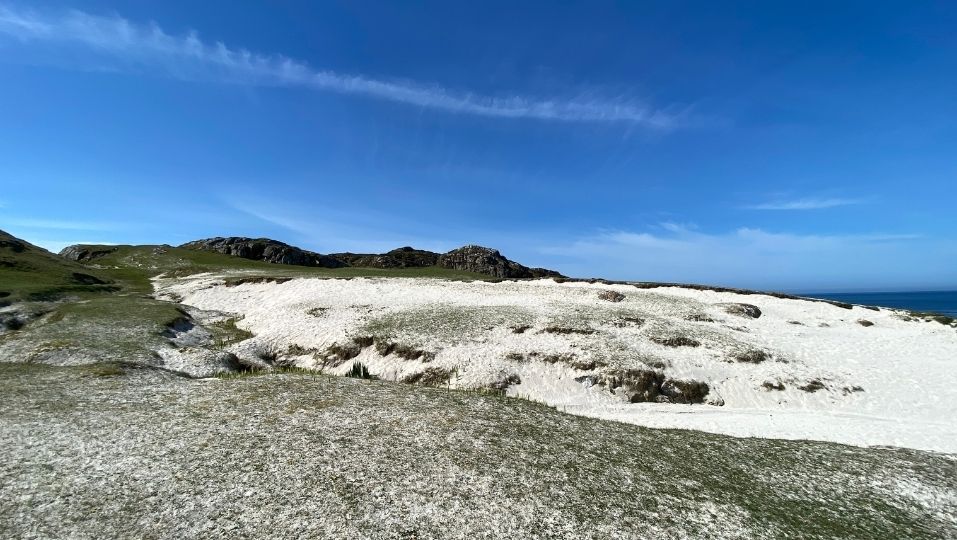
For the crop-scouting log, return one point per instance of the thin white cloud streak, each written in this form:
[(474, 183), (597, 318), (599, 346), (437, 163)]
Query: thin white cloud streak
[(188, 57), (805, 204)]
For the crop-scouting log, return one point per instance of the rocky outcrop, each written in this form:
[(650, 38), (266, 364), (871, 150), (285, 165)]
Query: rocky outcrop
[(403, 257), (489, 261), (480, 260), (263, 249), (81, 253)]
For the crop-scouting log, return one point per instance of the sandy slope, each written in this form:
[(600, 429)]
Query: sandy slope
[(893, 383)]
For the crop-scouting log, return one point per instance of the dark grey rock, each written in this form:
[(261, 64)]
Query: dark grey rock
[(741, 310)]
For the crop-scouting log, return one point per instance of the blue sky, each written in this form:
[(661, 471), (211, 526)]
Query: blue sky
[(798, 146)]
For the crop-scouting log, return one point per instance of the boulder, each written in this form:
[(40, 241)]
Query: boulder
[(742, 310)]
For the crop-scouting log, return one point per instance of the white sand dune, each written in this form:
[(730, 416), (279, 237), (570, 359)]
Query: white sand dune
[(892, 383)]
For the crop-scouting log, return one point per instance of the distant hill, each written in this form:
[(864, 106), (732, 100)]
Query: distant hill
[(264, 249), (31, 272), (469, 258), (489, 261), (403, 257)]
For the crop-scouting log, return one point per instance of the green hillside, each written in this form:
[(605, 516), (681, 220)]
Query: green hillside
[(28, 272), (133, 266), (101, 310)]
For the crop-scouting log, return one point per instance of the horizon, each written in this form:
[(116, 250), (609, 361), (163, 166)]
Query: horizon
[(765, 148)]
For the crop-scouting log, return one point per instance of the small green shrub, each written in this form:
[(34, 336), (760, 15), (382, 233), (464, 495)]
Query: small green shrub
[(358, 371)]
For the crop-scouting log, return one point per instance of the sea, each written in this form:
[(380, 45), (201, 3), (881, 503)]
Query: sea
[(942, 302)]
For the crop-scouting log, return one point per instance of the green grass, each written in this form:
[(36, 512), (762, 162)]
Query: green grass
[(936, 317), (225, 333), (135, 265), (29, 273), (99, 328)]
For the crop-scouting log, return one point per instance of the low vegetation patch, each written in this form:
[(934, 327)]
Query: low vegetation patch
[(676, 341), (385, 348), (504, 382), (645, 385), (235, 282), (568, 359), (431, 376), (226, 333), (358, 371), (751, 356), (103, 369), (682, 391), (813, 386), (337, 354), (565, 330), (611, 296), (628, 321)]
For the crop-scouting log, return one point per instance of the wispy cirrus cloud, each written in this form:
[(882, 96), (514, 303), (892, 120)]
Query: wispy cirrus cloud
[(805, 204), (149, 47)]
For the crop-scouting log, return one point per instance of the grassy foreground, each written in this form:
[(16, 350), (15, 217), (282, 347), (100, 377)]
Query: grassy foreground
[(120, 452)]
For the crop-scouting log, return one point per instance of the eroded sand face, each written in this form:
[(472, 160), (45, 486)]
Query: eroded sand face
[(822, 375)]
